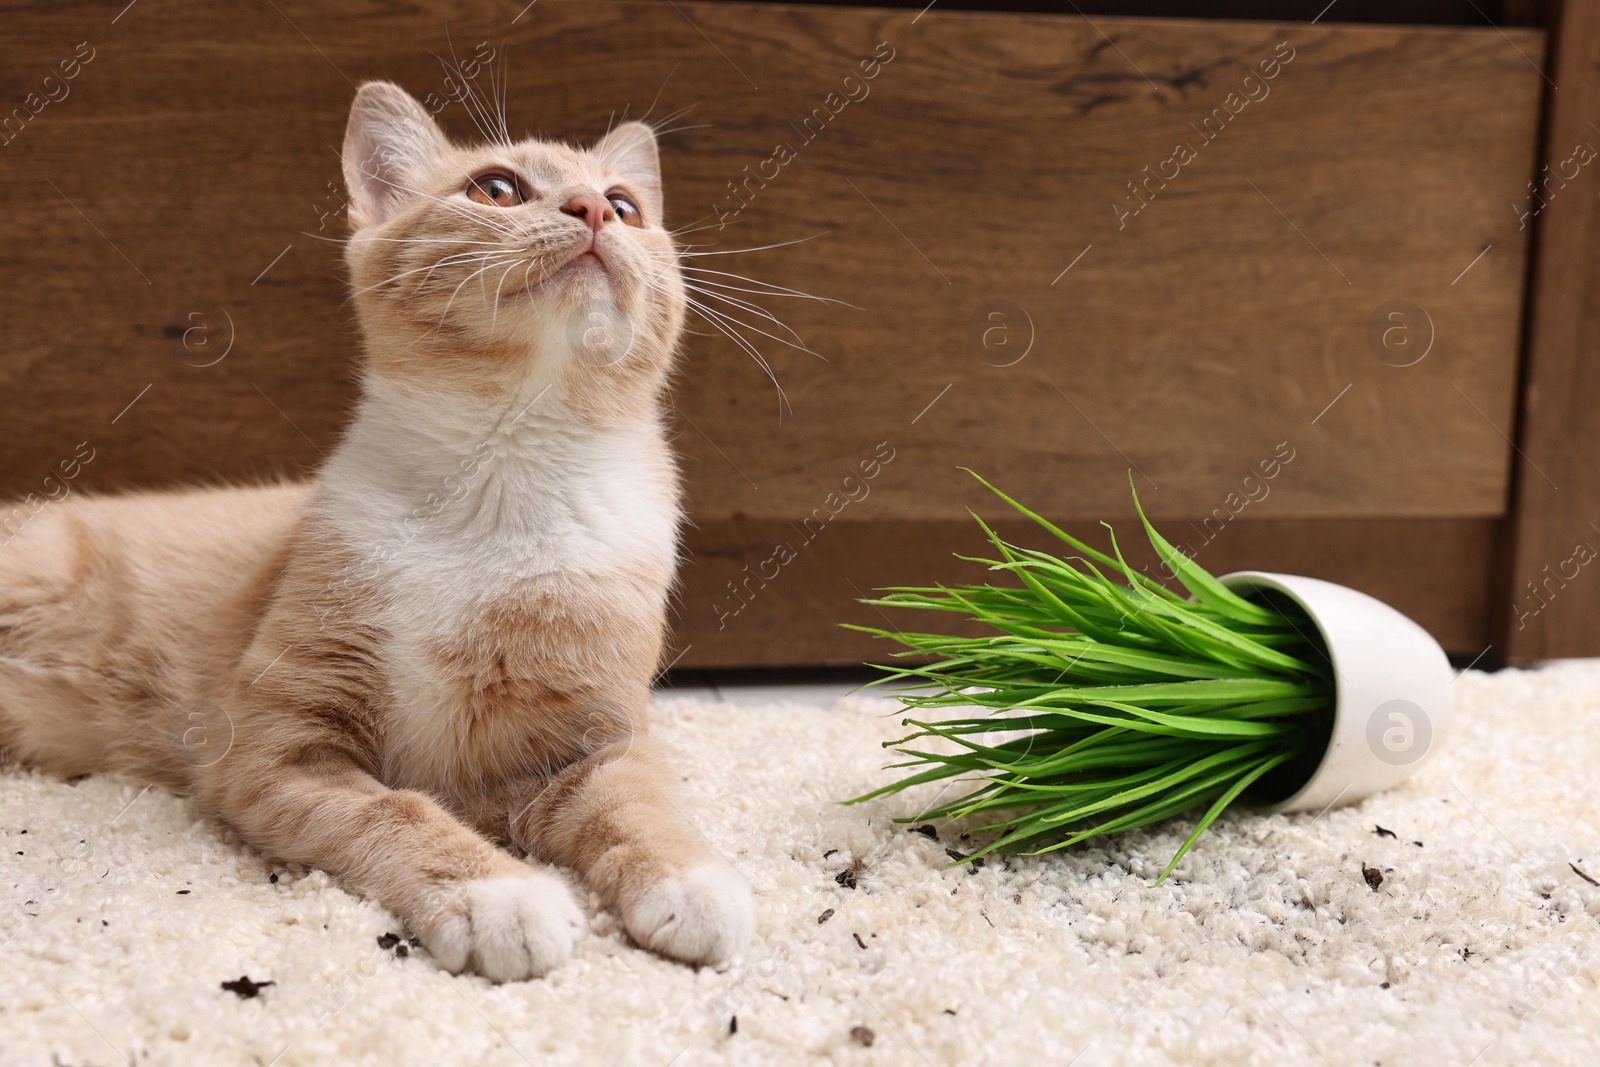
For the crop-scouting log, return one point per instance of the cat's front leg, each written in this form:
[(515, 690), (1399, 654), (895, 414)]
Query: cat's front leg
[(473, 905), (614, 817)]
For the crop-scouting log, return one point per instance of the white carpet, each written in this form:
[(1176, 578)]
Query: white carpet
[(1480, 946)]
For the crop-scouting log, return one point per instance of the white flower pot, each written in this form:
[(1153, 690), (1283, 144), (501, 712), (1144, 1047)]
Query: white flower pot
[(1393, 701)]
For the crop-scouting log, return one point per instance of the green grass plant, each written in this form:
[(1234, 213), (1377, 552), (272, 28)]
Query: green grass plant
[(1108, 700)]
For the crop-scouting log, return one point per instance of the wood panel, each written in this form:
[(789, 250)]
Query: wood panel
[(168, 246), (198, 146), (739, 607), (1413, 12), (1548, 602)]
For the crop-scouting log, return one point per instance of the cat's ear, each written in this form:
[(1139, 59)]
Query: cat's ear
[(390, 143), (630, 151)]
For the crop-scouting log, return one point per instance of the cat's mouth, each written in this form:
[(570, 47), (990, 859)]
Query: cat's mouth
[(585, 261), (585, 257)]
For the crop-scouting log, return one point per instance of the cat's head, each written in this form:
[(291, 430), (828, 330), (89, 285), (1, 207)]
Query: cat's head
[(479, 270)]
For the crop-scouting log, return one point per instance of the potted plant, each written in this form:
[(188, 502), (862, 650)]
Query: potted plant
[(1100, 700)]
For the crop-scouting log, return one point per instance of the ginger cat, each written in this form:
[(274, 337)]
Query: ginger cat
[(440, 648)]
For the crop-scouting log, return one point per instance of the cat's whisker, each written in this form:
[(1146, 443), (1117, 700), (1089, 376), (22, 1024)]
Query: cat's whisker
[(645, 118), (739, 251), (697, 227), (663, 127), (755, 309), (755, 353), (397, 240), (526, 284), (671, 115), (449, 303), (692, 286), (486, 255), (702, 280), (718, 320), (470, 101), (769, 288), (402, 240), (494, 111), (504, 85), (499, 291), (799, 347), (696, 306), (661, 131), (725, 293), (461, 257)]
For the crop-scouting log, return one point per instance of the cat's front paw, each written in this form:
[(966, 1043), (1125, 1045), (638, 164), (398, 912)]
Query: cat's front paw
[(507, 928), (704, 915)]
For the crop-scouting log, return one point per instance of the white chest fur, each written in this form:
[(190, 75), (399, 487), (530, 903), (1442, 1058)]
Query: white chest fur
[(452, 508)]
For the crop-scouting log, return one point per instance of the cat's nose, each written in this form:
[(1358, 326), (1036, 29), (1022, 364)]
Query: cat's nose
[(592, 208)]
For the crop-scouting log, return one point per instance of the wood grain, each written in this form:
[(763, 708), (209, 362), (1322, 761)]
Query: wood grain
[(187, 190), (1414, 564), (988, 154), (1548, 601)]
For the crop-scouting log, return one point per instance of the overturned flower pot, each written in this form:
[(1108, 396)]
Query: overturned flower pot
[(1392, 698), (1091, 698)]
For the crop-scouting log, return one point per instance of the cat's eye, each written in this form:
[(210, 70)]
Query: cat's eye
[(625, 207), (494, 189)]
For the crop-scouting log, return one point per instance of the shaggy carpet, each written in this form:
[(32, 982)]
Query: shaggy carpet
[(1449, 922)]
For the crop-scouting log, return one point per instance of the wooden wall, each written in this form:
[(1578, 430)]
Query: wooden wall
[(1336, 272), (1553, 605)]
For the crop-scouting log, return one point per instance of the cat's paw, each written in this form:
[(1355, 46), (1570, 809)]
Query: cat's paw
[(508, 928), (704, 915)]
